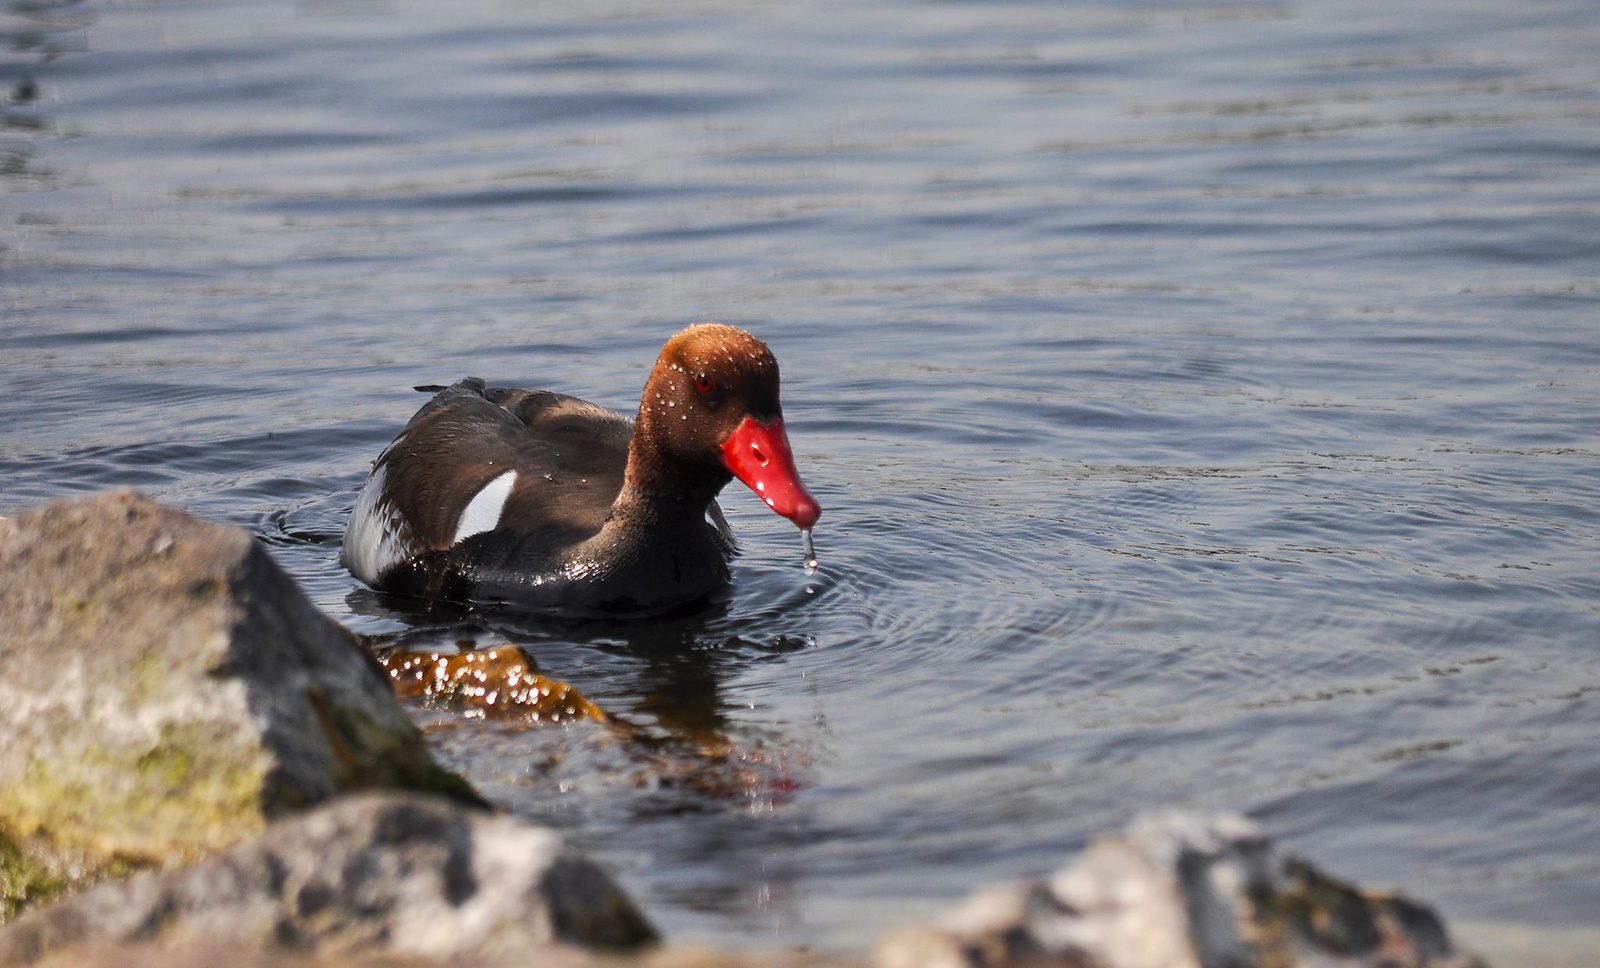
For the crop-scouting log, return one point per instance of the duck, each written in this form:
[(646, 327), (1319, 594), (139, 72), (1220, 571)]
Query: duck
[(537, 499)]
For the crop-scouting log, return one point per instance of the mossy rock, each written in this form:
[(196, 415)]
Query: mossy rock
[(384, 874), (165, 691)]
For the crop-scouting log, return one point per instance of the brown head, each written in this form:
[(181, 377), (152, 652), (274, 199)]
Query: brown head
[(710, 411)]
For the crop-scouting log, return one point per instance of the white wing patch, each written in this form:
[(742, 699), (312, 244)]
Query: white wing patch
[(482, 513), (376, 539)]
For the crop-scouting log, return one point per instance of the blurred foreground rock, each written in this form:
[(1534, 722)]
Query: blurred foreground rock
[(390, 874), (1178, 890), (398, 882), (222, 955), (165, 690)]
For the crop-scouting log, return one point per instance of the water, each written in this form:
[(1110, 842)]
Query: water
[(1204, 400)]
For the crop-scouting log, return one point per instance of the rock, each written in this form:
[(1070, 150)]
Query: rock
[(383, 874), (1178, 890), (165, 691), (496, 683), (216, 954)]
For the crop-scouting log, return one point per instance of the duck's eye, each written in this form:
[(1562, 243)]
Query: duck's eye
[(703, 384)]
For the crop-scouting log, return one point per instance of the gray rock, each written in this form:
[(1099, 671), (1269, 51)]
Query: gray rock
[(219, 954), (1178, 890), (390, 875), (166, 690)]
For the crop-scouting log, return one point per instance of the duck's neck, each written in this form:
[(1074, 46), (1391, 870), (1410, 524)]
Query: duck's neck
[(659, 487)]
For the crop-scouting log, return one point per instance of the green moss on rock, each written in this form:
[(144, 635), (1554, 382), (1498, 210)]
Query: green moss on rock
[(196, 788), (166, 692), (23, 880)]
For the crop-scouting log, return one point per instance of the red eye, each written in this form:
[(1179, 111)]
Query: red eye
[(703, 384)]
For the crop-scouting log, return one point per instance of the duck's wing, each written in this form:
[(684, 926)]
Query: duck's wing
[(595, 443), (542, 465), (572, 458)]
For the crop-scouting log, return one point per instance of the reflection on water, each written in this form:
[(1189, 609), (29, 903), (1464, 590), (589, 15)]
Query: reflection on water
[(657, 755), (1205, 399)]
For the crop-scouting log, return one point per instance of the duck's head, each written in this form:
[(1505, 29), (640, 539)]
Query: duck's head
[(710, 410)]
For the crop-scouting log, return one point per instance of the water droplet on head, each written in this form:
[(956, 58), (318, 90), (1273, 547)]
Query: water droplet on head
[(811, 552)]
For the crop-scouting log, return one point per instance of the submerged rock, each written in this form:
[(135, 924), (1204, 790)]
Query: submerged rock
[(165, 690), (1177, 890), (371, 874), (498, 683)]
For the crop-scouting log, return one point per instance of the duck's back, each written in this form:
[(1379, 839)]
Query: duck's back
[(537, 469)]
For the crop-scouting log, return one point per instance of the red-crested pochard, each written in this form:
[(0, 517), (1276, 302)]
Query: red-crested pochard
[(539, 499)]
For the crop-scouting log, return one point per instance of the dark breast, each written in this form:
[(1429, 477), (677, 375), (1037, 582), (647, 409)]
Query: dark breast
[(498, 567)]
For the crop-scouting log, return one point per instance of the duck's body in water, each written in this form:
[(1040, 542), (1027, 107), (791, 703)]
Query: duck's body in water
[(540, 499)]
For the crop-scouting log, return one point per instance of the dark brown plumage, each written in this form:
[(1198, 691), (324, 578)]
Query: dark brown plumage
[(541, 499)]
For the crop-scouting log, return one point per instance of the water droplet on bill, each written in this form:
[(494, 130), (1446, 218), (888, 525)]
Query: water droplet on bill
[(811, 552)]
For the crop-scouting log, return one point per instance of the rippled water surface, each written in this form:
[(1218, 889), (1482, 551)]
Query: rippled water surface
[(1205, 399)]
